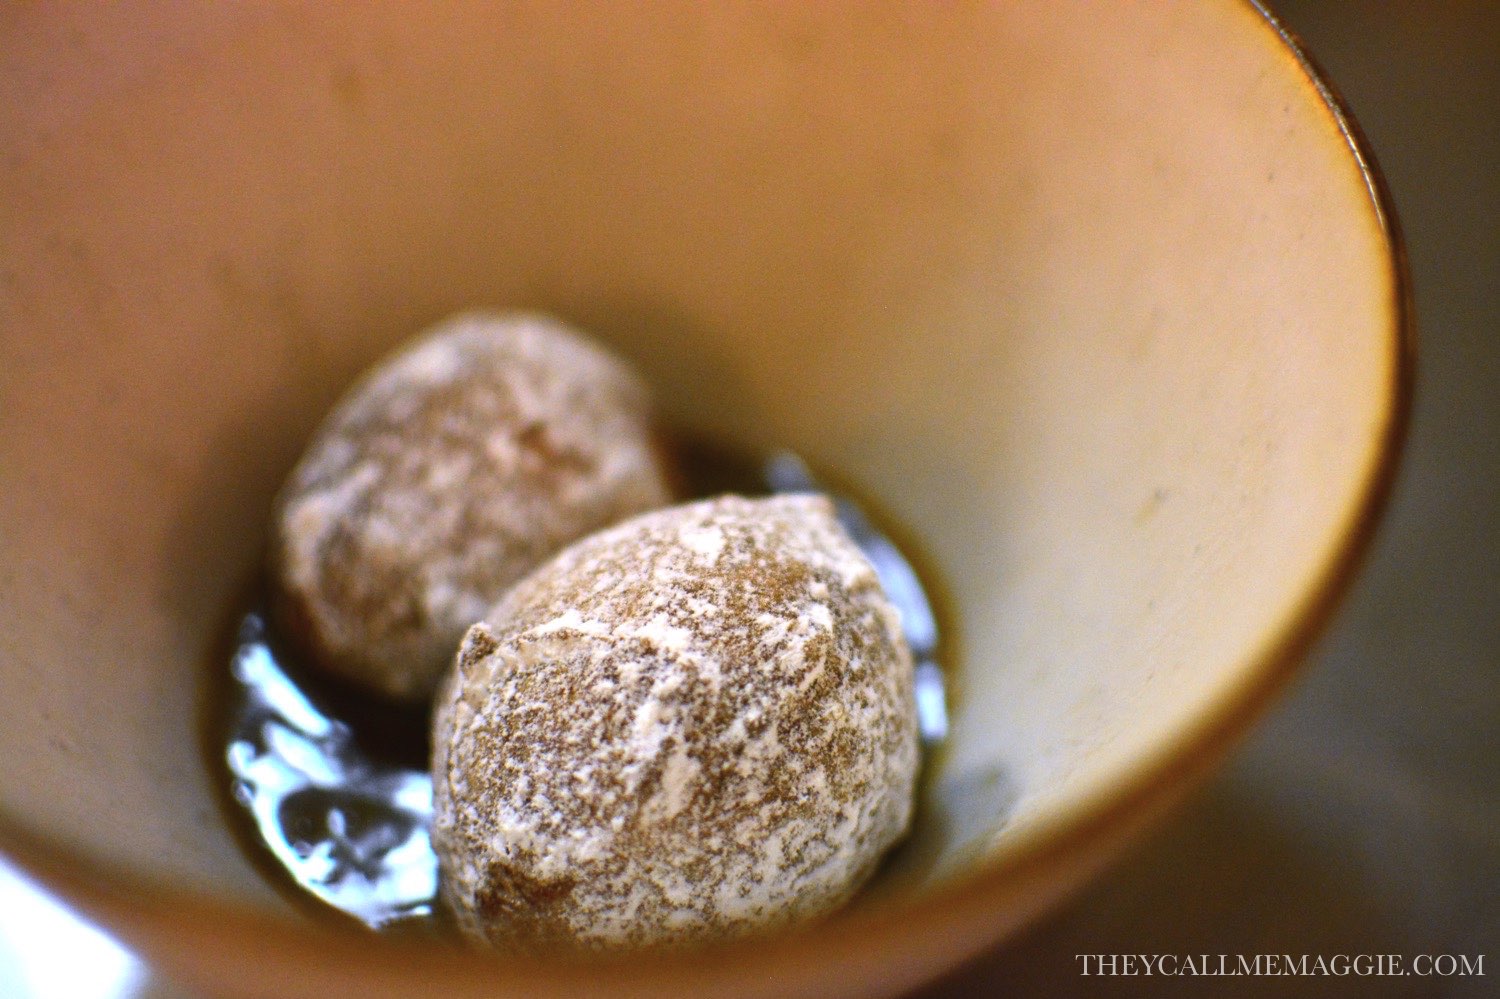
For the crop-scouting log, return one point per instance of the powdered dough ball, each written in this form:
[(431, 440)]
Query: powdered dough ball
[(450, 471), (697, 724)]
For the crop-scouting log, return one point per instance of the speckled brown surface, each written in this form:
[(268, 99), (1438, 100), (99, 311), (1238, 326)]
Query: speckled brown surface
[(694, 725), (452, 469)]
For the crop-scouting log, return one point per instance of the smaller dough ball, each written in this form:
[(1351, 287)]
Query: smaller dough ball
[(695, 725), (447, 473)]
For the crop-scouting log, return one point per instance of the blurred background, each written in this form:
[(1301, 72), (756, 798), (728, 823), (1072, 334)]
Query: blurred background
[(1364, 816)]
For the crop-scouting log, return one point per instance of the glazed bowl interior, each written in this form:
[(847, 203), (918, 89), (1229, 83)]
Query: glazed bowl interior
[(1095, 302)]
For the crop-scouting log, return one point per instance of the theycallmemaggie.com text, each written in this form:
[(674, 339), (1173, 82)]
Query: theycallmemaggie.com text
[(1246, 965)]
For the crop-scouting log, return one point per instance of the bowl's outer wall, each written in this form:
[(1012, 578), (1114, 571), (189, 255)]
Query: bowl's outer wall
[(1096, 302)]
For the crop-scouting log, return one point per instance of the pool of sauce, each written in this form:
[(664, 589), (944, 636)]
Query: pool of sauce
[(332, 785)]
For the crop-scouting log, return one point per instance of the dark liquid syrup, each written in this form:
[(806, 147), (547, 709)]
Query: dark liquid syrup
[(333, 785)]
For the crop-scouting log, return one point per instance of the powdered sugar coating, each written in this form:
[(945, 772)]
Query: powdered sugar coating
[(696, 724), (449, 472)]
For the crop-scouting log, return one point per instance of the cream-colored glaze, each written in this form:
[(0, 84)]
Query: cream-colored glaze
[(1097, 300)]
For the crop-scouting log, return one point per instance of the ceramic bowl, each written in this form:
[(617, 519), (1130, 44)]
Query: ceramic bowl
[(1100, 303)]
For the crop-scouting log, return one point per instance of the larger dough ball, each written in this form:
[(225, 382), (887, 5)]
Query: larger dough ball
[(449, 472), (697, 724)]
